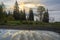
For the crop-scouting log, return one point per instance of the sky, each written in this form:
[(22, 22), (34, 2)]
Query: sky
[(52, 5)]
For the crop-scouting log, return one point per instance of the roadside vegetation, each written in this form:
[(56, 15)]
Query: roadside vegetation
[(32, 23), (18, 17)]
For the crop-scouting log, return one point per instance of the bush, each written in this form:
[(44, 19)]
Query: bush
[(13, 23)]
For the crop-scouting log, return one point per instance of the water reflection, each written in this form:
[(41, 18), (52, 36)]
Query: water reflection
[(28, 35)]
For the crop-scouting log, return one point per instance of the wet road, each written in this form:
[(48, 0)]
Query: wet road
[(31, 27)]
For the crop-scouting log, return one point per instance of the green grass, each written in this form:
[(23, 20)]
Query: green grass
[(30, 23), (13, 23)]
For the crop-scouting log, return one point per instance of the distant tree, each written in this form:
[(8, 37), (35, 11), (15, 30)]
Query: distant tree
[(3, 6), (2, 12), (31, 15), (46, 17), (5, 15), (10, 16), (40, 10), (21, 14), (24, 15), (16, 13)]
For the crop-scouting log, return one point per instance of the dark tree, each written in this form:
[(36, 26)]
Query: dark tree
[(16, 13), (46, 17), (10, 16), (2, 12), (24, 15), (21, 15), (31, 15)]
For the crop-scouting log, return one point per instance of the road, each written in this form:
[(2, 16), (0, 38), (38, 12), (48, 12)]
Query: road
[(31, 27)]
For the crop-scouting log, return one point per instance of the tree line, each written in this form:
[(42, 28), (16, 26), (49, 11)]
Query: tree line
[(21, 15)]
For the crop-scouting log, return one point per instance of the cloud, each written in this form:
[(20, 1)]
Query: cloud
[(52, 4)]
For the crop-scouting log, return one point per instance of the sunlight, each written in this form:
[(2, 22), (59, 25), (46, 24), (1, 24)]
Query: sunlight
[(27, 6), (30, 5), (21, 5)]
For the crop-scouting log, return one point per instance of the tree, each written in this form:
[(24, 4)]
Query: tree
[(46, 17), (21, 15), (31, 15), (16, 13), (3, 13), (10, 17), (24, 15), (40, 10)]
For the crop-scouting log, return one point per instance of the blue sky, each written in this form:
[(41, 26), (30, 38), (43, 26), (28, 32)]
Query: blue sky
[(52, 5)]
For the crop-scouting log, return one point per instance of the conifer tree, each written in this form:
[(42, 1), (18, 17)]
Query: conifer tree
[(16, 13), (24, 15), (3, 13), (31, 15), (46, 17)]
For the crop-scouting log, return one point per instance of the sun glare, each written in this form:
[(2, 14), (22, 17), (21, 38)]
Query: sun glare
[(26, 6), (23, 5)]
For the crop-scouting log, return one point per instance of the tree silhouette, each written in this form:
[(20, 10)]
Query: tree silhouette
[(24, 15), (10, 16), (46, 17), (16, 13), (2, 12), (21, 15), (41, 9), (31, 15)]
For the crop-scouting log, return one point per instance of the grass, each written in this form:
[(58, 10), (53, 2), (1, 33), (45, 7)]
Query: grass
[(31, 23), (13, 23)]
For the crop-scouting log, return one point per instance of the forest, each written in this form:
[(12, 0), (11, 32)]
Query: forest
[(19, 16)]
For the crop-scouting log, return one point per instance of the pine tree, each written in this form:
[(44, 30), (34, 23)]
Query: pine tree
[(2, 12), (24, 15), (46, 17), (31, 15), (16, 13), (21, 15)]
